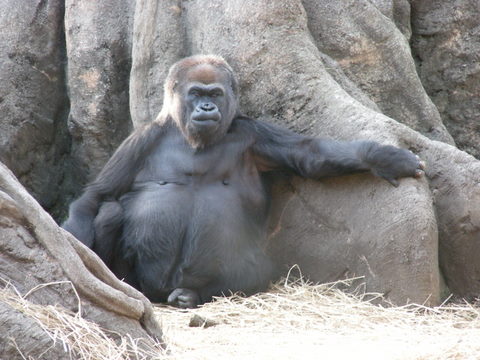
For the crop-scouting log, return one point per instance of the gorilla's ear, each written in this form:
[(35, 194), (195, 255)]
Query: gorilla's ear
[(174, 85)]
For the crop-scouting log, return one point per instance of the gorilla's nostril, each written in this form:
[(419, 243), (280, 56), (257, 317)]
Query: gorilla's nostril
[(207, 107)]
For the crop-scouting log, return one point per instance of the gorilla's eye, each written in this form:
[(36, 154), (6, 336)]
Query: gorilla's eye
[(194, 92), (216, 93)]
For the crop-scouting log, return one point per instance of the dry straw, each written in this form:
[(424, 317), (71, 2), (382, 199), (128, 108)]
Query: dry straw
[(293, 320), (80, 338), (299, 320)]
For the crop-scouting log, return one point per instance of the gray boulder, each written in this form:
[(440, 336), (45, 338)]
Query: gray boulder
[(34, 251), (446, 46)]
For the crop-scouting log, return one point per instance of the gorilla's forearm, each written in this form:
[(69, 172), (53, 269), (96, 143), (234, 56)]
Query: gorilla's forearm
[(319, 158), (316, 158), (333, 158), (114, 180)]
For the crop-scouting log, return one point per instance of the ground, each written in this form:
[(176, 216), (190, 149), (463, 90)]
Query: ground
[(293, 320), (302, 321)]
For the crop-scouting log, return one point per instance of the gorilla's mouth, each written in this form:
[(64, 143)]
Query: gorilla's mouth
[(206, 118)]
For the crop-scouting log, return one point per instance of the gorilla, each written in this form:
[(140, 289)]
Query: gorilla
[(180, 210)]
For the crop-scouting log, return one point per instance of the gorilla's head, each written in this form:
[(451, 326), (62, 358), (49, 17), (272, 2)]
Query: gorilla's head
[(201, 96)]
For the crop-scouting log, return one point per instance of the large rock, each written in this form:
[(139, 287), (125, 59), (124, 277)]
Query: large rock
[(392, 241), (341, 69), (33, 101), (446, 45), (98, 36), (34, 251), (159, 42), (376, 56), (357, 226)]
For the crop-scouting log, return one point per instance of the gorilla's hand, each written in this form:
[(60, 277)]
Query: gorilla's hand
[(392, 163), (80, 222)]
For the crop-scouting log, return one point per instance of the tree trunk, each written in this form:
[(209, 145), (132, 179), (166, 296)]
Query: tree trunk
[(34, 251), (36, 143), (393, 239), (342, 69), (98, 39)]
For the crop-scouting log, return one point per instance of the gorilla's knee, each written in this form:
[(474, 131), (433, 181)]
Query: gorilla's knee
[(107, 227)]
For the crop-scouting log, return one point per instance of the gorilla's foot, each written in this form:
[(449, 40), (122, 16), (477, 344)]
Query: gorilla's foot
[(183, 298)]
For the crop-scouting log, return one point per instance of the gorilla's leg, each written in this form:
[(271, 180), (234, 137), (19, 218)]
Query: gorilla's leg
[(250, 274), (246, 273)]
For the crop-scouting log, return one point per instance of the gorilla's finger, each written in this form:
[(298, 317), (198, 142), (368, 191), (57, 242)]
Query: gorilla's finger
[(419, 173), (392, 181)]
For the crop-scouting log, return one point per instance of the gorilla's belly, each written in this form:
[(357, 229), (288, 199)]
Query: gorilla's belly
[(215, 210)]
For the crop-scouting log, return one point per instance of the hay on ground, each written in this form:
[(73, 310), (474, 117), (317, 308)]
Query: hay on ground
[(293, 320), (298, 320), (81, 339)]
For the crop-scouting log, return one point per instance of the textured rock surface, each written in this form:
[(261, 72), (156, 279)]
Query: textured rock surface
[(347, 240), (23, 338), (376, 56), (98, 38), (339, 69), (35, 251), (153, 53), (446, 43), (319, 225), (33, 101)]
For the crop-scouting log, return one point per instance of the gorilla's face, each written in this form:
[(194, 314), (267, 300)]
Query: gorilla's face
[(204, 105)]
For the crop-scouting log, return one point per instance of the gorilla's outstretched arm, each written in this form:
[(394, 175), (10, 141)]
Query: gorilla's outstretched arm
[(278, 148), (114, 180)]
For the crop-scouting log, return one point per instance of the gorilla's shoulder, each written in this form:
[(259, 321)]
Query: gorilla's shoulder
[(243, 125)]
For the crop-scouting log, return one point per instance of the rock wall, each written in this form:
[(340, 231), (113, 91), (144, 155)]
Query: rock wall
[(446, 47), (77, 76)]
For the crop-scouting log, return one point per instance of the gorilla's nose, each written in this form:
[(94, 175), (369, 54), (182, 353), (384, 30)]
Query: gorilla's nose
[(207, 107)]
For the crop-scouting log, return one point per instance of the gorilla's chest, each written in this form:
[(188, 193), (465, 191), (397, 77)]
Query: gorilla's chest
[(218, 182), (173, 161)]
